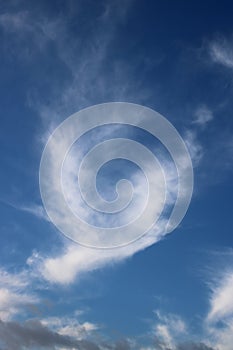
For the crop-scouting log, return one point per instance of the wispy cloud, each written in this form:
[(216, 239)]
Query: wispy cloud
[(36, 210), (221, 299), (194, 146), (169, 330), (172, 333), (221, 51), (219, 320), (70, 327), (14, 294), (84, 82), (84, 78), (203, 115), (76, 260)]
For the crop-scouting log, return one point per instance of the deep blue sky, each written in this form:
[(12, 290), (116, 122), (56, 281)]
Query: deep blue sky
[(57, 57)]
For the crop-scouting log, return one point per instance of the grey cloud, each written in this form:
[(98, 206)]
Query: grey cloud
[(33, 335), (194, 346), (14, 335), (160, 345), (119, 345)]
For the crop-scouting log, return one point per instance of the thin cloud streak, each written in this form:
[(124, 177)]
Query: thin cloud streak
[(221, 52)]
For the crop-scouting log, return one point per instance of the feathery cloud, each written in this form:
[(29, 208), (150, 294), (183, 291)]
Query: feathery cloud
[(221, 51), (14, 296)]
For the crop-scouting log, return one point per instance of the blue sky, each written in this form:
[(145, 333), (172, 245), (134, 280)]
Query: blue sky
[(59, 57)]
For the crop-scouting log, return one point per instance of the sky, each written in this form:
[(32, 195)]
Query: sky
[(164, 291)]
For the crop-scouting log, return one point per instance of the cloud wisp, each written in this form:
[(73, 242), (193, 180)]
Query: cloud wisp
[(219, 321), (221, 52), (14, 294), (203, 115)]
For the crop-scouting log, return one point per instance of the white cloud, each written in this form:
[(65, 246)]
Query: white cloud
[(219, 321), (76, 260), (221, 51), (217, 327), (163, 333), (70, 327), (36, 210), (222, 299), (9, 280), (13, 294), (194, 146), (169, 330), (203, 115)]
